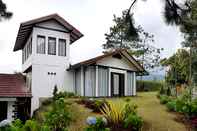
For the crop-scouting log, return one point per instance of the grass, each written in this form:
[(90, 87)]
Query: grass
[(155, 116)]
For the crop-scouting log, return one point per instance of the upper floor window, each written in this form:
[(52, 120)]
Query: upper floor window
[(62, 47), (51, 46), (40, 44)]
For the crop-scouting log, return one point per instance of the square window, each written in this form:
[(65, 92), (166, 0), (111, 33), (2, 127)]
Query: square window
[(51, 46), (40, 44), (62, 47)]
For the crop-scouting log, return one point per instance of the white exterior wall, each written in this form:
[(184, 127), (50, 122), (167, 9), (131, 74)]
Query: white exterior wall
[(10, 112), (117, 63), (123, 64), (134, 85), (10, 108), (42, 82), (114, 65)]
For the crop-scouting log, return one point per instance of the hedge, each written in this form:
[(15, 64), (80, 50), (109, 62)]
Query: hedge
[(146, 85)]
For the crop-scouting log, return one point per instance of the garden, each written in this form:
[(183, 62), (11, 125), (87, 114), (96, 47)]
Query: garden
[(67, 112), (63, 110)]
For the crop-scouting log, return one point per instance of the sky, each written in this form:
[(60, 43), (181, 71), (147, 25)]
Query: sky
[(92, 17)]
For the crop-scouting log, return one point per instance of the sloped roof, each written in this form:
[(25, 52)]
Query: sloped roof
[(13, 85), (25, 29), (121, 52)]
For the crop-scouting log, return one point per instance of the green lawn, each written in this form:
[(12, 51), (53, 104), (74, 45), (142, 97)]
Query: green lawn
[(155, 115)]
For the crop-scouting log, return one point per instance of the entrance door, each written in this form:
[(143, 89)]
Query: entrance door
[(3, 108), (117, 84)]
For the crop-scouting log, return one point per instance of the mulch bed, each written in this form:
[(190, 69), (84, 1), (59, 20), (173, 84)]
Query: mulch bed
[(182, 119)]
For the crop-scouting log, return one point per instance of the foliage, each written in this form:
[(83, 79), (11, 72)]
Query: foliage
[(133, 121), (145, 85), (30, 125), (164, 99), (122, 115), (130, 109), (178, 64), (95, 105), (171, 105), (100, 125), (63, 95), (113, 112), (162, 90), (127, 99), (55, 90), (124, 35), (4, 14), (168, 92), (60, 116)]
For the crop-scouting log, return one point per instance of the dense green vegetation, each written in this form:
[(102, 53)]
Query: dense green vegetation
[(147, 85)]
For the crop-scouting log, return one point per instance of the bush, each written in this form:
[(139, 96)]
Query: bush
[(133, 121), (130, 109), (168, 92), (63, 95), (114, 112), (146, 85), (171, 105), (164, 99), (17, 125), (95, 105), (162, 91), (59, 118), (31, 125), (99, 125)]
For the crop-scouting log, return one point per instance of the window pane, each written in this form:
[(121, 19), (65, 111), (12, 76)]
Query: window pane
[(51, 46), (41, 44), (30, 46), (62, 47)]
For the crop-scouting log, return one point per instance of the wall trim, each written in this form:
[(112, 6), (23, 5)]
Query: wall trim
[(47, 28), (115, 68)]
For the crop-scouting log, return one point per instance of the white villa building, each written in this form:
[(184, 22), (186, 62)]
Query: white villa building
[(45, 43)]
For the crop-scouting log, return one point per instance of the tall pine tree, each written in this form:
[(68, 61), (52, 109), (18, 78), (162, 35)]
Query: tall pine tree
[(126, 35)]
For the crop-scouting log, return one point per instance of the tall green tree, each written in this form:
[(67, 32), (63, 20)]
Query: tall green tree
[(178, 67), (4, 14), (126, 35)]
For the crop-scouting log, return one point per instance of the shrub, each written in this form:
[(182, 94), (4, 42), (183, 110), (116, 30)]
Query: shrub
[(162, 90), (179, 105), (164, 99), (168, 92), (47, 101), (31, 125), (147, 85), (99, 125), (59, 117), (63, 95), (127, 99), (113, 112), (171, 105), (95, 105), (133, 121), (55, 90), (45, 128), (130, 109)]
